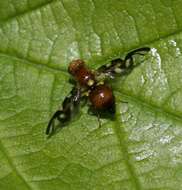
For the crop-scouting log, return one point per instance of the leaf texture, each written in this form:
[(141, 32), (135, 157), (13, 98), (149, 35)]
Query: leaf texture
[(141, 149)]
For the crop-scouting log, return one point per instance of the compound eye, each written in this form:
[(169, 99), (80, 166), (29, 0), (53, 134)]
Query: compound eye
[(75, 65)]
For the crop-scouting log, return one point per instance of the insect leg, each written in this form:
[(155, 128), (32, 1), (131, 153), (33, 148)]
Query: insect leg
[(98, 118)]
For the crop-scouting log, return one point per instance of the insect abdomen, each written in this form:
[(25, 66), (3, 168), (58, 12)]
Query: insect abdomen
[(102, 98)]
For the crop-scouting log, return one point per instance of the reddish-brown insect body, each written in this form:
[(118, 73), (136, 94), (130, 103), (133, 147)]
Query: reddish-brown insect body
[(102, 98), (93, 84), (82, 74)]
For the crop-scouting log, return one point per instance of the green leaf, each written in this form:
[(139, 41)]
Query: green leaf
[(141, 149)]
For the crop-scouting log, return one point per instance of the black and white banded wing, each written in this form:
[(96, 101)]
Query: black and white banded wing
[(119, 66), (69, 106)]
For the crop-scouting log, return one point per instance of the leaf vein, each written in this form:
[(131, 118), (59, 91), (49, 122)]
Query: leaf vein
[(12, 165), (10, 18), (152, 107), (120, 134)]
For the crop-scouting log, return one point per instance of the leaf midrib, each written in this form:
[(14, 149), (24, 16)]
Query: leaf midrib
[(120, 134)]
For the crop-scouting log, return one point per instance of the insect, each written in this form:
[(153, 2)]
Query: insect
[(94, 86)]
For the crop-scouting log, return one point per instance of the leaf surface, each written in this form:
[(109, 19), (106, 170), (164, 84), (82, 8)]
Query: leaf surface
[(141, 149)]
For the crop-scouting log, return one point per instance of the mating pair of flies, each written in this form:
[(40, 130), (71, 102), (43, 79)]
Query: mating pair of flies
[(93, 85)]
